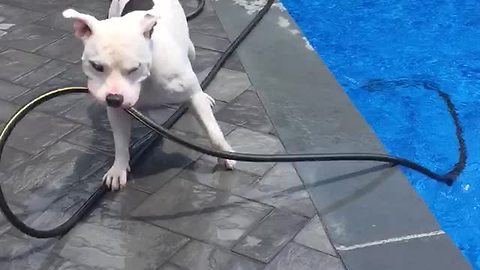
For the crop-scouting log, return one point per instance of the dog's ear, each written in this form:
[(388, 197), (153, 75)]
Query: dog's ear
[(83, 23), (148, 23)]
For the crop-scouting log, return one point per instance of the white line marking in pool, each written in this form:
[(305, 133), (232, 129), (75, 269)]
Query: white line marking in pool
[(390, 240)]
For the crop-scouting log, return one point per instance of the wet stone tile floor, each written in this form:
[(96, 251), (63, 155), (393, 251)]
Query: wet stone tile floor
[(179, 210)]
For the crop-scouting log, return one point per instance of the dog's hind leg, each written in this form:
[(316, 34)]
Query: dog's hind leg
[(201, 105), (115, 9)]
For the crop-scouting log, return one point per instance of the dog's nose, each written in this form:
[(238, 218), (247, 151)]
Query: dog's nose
[(114, 100)]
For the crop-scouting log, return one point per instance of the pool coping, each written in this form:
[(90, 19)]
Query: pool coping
[(372, 215)]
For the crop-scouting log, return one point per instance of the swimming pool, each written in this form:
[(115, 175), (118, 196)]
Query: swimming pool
[(395, 58)]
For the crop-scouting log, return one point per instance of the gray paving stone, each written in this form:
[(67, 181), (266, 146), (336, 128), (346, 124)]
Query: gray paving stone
[(101, 140), (207, 22), (88, 137), (24, 253), (93, 6), (204, 59), (207, 173), (31, 37), (281, 187), (200, 256), (266, 240), (42, 74), (247, 141), (9, 90), (188, 123), (64, 264), (159, 114), (247, 111), (19, 211), (56, 106), (170, 266), (56, 19), (109, 242), (7, 109), (314, 236), (38, 131), (192, 137), (75, 74), (436, 252), (122, 203), (16, 63), (68, 49), (36, 183), (219, 104), (162, 162), (12, 158), (234, 63), (209, 42), (361, 202), (294, 256), (89, 112), (201, 212), (63, 205), (114, 205), (17, 16), (228, 84), (45, 6)]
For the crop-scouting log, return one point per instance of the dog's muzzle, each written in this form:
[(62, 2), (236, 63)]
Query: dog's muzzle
[(114, 101)]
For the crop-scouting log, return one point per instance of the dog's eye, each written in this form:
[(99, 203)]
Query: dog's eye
[(130, 71), (96, 66)]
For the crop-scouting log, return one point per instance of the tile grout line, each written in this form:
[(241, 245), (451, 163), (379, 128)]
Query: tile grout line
[(250, 231), (179, 249), (316, 250), (390, 240)]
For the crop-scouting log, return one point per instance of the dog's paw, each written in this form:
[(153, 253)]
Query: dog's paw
[(116, 177), (227, 163)]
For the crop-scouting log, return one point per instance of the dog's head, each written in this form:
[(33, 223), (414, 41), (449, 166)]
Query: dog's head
[(117, 54)]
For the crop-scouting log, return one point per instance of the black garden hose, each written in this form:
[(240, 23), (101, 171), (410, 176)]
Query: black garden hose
[(163, 131)]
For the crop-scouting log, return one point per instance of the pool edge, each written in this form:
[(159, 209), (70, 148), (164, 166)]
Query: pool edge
[(376, 206)]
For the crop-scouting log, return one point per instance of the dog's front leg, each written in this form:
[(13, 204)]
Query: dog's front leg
[(121, 124), (201, 105)]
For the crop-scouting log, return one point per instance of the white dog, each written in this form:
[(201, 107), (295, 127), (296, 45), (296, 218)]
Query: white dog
[(142, 58)]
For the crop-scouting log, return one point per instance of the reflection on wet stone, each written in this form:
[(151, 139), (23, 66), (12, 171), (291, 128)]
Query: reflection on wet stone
[(282, 187), (109, 241), (265, 241), (201, 212), (40, 181)]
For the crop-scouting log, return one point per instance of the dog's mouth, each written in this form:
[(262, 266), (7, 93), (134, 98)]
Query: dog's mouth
[(121, 106), (117, 104)]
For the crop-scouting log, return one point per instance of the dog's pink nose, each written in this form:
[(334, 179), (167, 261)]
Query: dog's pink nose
[(114, 100)]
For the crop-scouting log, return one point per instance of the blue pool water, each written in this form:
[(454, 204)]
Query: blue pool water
[(387, 55)]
